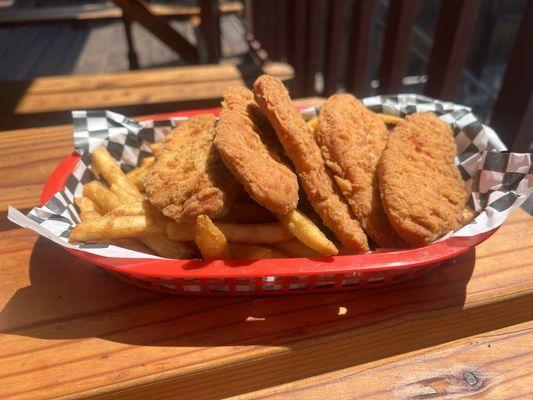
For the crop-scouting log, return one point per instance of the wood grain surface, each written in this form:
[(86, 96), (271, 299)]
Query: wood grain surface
[(98, 12), (486, 366), (31, 103), (70, 330), (133, 87)]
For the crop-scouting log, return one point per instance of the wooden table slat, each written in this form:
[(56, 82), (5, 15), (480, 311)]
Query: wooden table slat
[(151, 77), (489, 365), (70, 330)]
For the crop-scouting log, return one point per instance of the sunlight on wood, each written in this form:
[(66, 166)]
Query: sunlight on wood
[(252, 319)]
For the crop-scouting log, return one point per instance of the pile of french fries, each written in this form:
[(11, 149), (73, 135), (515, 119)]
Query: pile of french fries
[(120, 214)]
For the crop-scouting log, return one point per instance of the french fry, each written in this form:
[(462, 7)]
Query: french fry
[(468, 215), (249, 213), (313, 123), (105, 198), (295, 248), (155, 148), (126, 193), (111, 227), (128, 209), (88, 208), (180, 232), (390, 119), (210, 240), (147, 162), (158, 243), (308, 233), (138, 174), (167, 248), (264, 233), (107, 166), (140, 208), (242, 251)]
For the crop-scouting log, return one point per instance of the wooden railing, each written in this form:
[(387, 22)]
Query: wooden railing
[(298, 31)]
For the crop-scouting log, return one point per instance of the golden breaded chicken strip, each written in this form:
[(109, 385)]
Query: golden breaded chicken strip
[(238, 140), (240, 99), (188, 177), (421, 188), (352, 139), (299, 144)]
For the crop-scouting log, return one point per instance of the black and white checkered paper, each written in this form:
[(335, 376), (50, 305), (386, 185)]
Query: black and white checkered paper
[(497, 182)]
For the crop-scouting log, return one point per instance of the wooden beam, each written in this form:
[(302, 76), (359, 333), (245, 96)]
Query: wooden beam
[(138, 10), (47, 100), (396, 48), (356, 76), (210, 27), (335, 24), (512, 115), (453, 37)]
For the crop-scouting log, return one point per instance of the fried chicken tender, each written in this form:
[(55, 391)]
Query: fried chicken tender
[(352, 139), (297, 139), (242, 140), (421, 188), (241, 99), (188, 177)]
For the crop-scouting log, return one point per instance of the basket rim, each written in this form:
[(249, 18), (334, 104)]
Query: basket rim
[(223, 269)]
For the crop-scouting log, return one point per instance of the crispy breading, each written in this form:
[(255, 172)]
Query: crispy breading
[(352, 139), (267, 180), (300, 146), (188, 177), (421, 188)]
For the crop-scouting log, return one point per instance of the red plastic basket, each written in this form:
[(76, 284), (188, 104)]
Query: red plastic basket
[(269, 276)]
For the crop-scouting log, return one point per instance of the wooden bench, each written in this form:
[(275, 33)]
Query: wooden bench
[(98, 12), (151, 17), (48, 100)]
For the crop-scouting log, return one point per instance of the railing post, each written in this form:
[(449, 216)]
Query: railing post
[(396, 48), (356, 74), (512, 115), (453, 37), (335, 24), (210, 26)]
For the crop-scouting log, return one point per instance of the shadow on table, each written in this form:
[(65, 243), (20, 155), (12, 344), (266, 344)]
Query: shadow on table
[(69, 298)]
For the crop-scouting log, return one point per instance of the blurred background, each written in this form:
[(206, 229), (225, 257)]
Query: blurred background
[(452, 50)]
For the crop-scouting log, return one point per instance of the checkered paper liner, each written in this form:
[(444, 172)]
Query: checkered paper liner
[(497, 182)]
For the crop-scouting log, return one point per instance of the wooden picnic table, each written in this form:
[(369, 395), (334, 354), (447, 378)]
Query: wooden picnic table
[(70, 330)]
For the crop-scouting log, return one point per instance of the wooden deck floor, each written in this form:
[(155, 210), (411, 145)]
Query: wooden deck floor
[(29, 52)]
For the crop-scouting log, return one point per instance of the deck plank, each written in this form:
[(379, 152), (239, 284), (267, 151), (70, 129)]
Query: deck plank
[(99, 47)]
